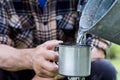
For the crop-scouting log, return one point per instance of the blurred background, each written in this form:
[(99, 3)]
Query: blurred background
[(114, 56)]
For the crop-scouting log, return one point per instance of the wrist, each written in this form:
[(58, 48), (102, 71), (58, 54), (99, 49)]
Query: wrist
[(26, 55), (14, 59), (97, 53)]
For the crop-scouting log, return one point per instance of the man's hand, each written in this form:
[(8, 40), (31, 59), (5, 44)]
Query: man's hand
[(44, 58), (40, 78), (41, 59)]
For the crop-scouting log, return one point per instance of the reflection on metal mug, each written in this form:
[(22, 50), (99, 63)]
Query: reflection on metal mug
[(74, 60)]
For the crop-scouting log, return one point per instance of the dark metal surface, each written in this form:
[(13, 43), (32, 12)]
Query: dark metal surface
[(102, 18)]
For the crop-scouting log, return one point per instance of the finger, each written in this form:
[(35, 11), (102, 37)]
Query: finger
[(46, 74), (52, 44), (51, 55), (50, 66), (42, 72), (41, 78), (46, 78), (59, 77)]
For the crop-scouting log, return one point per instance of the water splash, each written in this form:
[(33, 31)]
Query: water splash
[(81, 36)]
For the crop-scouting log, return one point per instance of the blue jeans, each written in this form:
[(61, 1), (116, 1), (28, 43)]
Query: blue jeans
[(102, 69)]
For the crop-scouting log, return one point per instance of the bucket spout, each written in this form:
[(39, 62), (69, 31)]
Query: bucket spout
[(101, 18)]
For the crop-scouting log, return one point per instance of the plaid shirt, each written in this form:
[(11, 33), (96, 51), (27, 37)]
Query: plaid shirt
[(23, 24)]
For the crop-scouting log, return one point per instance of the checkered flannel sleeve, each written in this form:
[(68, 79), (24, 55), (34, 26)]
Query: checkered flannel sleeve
[(98, 42)]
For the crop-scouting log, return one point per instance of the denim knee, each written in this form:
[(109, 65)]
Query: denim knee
[(103, 69)]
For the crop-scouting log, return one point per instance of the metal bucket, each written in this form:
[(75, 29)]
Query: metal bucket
[(74, 60), (102, 18)]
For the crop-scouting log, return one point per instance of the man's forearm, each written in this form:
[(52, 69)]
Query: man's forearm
[(13, 59), (97, 53)]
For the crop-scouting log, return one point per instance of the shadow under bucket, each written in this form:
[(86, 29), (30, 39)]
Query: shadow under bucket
[(102, 18)]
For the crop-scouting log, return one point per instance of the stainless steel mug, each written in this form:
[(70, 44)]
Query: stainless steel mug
[(74, 60)]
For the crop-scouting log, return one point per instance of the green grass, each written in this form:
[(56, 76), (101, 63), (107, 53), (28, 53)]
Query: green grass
[(116, 63), (114, 51)]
